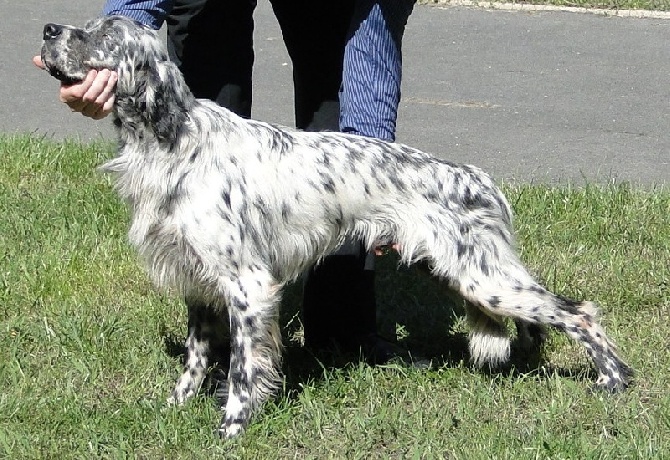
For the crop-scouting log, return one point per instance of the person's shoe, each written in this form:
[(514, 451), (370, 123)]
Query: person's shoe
[(379, 351)]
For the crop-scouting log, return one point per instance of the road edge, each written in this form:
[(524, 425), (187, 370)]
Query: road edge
[(508, 6)]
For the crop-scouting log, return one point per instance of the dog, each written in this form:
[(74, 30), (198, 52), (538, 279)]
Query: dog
[(227, 211)]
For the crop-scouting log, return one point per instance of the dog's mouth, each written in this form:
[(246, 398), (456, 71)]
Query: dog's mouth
[(62, 77), (54, 70)]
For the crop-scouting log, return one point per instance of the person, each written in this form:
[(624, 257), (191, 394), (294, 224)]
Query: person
[(347, 65)]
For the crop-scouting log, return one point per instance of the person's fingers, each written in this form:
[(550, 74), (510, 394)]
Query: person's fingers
[(98, 111), (105, 110), (37, 60), (98, 87), (91, 104), (93, 97), (73, 95), (106, 92), (106, 98), (101, 90)]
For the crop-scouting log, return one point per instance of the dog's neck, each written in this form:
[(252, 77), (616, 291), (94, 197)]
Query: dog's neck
[(152, 100)]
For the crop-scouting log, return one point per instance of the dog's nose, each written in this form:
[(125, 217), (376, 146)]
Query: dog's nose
[(52, 31)]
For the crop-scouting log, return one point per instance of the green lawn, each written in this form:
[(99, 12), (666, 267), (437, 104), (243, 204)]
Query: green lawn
[(89, 351)]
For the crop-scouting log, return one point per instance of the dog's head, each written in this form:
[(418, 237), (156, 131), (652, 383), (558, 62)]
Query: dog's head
[(150, 91), (112, 42)]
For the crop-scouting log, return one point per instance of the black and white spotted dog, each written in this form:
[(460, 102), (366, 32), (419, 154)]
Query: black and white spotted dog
[(228, 211)]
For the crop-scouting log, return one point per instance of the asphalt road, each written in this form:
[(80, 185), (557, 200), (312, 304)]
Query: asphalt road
[(544, 97)]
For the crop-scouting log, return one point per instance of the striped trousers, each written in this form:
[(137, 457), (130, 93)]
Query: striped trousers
[(370, 90)]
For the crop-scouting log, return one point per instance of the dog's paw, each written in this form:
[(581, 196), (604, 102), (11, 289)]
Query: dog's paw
[(179, 396), (230, 430)]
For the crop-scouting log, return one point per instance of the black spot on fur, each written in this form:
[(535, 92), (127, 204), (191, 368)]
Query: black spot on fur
[(328, 184), (461, 249), (279, 142), (472, 201), (194, 155), (569, 305), (285, 212), (226, 198), (262, 207), (484, 266), (397, 182)]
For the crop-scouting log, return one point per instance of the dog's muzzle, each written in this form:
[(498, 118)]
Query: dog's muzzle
[(50, 34)]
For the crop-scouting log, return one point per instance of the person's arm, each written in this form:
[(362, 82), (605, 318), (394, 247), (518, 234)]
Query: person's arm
[(149, 12)]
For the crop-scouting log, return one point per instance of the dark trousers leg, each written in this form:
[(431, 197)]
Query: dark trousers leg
[(212, 43), (314, 33), (338, 304)]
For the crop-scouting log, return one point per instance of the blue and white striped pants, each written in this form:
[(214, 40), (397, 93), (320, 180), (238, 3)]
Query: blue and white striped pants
[(370, 91)]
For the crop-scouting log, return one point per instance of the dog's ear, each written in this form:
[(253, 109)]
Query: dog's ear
[(150, 89), (168, 101), (156, 96)]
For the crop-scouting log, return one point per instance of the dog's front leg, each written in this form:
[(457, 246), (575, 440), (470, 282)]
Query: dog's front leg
[(205, 331), (255, 346)]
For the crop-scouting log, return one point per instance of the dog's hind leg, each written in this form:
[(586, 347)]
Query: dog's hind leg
[(205, 331), (255, 342), (489, 340), (530, 336)]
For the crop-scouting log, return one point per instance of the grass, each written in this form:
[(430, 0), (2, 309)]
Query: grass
[(657, 5), (89, 351)]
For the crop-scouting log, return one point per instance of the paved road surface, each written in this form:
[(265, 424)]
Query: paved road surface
[(544, 97)]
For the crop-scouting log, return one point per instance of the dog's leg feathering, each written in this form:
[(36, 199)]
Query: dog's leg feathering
[(489, 341), (255, 342)]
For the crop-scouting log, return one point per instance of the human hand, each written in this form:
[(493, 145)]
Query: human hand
[(93, 97), (384, 249)]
